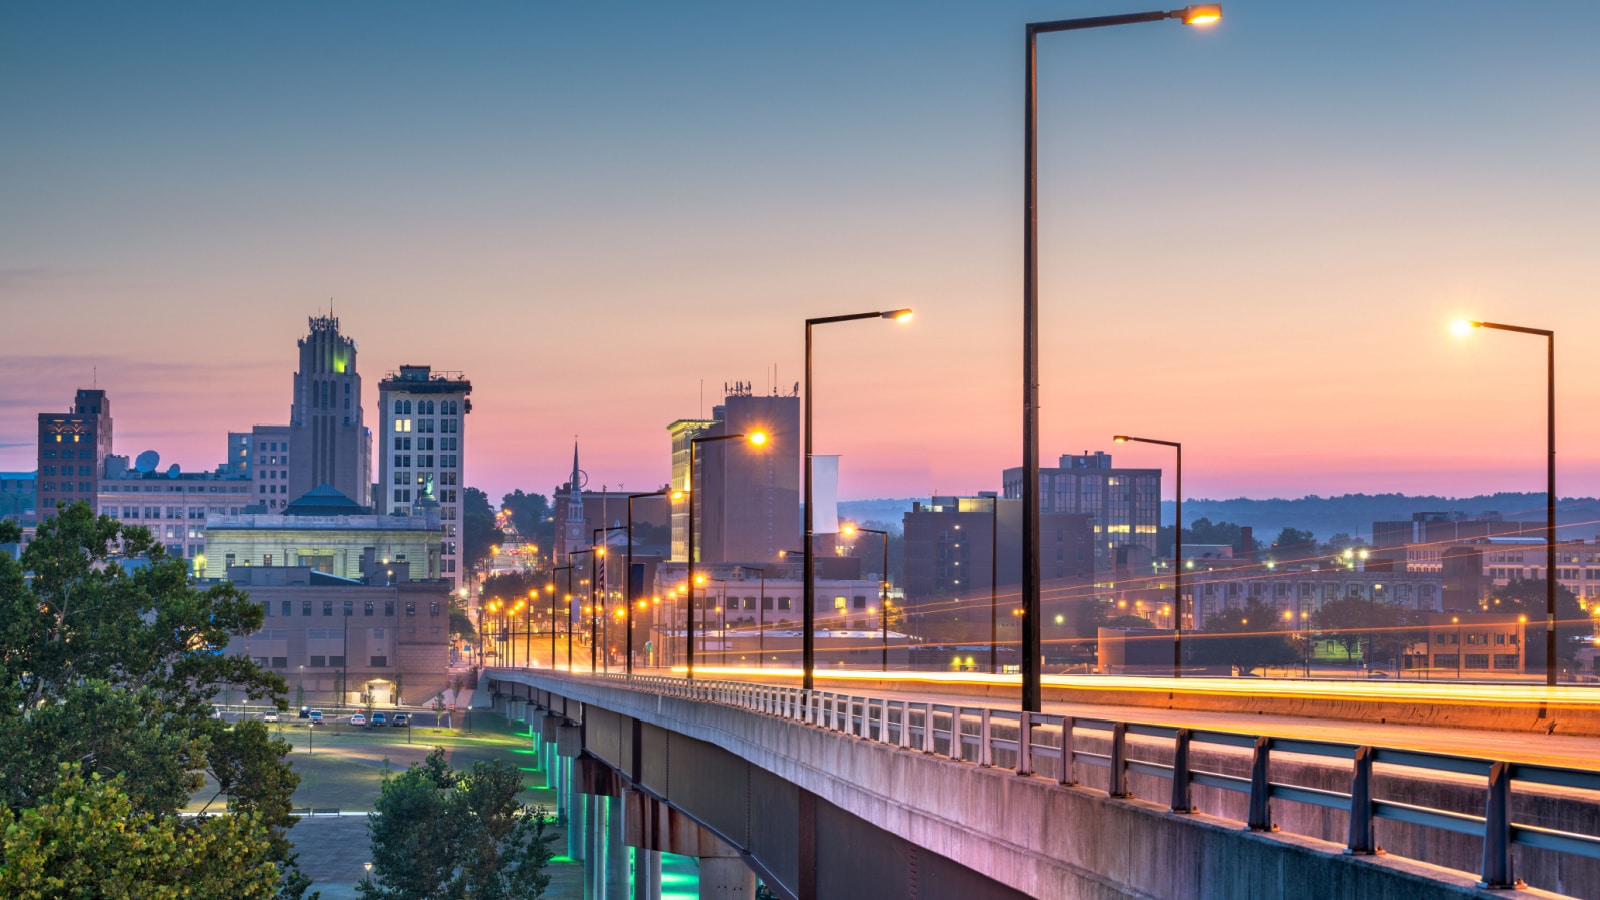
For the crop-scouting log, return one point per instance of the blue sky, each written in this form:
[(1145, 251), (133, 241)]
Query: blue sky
[(1252, 236)]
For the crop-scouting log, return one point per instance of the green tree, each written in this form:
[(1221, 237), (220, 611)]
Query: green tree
[(1293, 544), (1527, 597), (1205, 531), (439, 833), (86, 839), (530, 513), (478, 531), (1247, 638), (109, 670)]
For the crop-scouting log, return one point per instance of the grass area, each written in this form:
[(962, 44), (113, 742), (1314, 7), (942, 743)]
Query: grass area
[(342, 767)]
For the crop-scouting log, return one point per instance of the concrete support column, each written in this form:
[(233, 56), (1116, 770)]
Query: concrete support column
[(646, 874), (576, 824), (726, 878), (594, 833), (616, 855)]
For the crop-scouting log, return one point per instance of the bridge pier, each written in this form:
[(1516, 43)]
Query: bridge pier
[(654, 827), (646, 873)]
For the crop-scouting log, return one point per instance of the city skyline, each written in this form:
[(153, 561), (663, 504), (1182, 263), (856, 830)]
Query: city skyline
[(682, 202)]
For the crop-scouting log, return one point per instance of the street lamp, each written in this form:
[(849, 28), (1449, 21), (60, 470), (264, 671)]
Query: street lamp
[(593, 563), (599, 625), (1177, 548), (550, 589), (883, 612), (627, 576), (755, 439), (808, 651), (761, 615), (1550, 486), (1205, 14)]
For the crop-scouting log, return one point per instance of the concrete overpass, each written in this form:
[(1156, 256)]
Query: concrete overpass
[(917, 791)]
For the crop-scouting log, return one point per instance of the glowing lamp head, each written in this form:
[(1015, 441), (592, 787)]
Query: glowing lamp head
[(898, 315), (699, 579), (678, 495), (757, 438), (1464, 327), (1119, 439), (848, 530), (1202, 14)]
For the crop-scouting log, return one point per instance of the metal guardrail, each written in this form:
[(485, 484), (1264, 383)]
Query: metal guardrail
[(968, 733)]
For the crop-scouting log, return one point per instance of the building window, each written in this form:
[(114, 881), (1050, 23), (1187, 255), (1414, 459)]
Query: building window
[(411, 607), (380, 662), (327, 607), (388, 607), (366, 607), (433, 608), (319, 662), (349, 608), (783, 603), (280, 662), (305, 607), (286, 607), (266, 609), (336, 661)]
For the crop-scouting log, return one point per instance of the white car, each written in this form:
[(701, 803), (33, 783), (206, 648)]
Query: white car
[(270, 716), (358, 719)]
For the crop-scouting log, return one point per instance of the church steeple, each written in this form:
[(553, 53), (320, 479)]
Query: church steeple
[(572, 533)]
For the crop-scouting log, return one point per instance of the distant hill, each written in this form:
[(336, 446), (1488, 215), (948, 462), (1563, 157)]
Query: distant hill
[(1353, 514), (885, 510), (1324, 516)]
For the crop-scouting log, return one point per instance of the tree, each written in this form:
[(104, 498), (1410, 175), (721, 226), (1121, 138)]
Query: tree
[(86, 839), (1247, 638), (1294, 544), (109, 670), (478, 532), (1527, 597), (1204, 531), (1356, 622), (530, 513), (869, 549), (437, 832)]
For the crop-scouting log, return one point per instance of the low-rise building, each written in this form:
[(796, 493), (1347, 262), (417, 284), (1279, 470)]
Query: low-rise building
[(327, 531), (340, 640)]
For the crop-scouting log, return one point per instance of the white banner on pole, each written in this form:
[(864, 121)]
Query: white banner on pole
[(825, 494)]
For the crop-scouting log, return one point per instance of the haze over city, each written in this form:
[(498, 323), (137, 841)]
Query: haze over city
[(1253, 238)]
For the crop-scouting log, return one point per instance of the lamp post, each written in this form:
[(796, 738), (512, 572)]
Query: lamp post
[(761, 615), (551, 590), (883, 608), (808, 650), (722, 610), (1194, 15), (1550, 643), (627, 576), (599, 625), (592, 563), (755, 438), (1177, 547)]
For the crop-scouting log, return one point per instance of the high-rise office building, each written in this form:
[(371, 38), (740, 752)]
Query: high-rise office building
[(73, 447), (1125, 503), (328, 441), (749, 504), (421, 435)]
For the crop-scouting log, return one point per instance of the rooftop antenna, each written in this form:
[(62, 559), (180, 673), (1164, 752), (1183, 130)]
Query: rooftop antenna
[(702, 412), (97, 377)]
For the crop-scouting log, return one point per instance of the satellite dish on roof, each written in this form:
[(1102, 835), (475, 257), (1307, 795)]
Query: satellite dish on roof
[(172, 471), (147, 462)]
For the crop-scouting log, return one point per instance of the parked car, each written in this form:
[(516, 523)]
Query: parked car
[(378, 720), (270, 716), (305, 712), (358, 719), (315, 716), (400, 720)]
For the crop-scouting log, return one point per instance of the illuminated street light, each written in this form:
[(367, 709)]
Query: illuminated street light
[(1550, 486), (808, 605), (627, 578), (1203, 14), (883, 619), (1177, 548)]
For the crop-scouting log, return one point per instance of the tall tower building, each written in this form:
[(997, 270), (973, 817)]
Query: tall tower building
[(73, 447), (749, 505), (1125, 503), (421, 449), (328, 442)]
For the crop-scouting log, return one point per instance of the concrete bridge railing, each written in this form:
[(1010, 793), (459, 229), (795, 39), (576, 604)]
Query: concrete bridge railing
[(1058, 747)]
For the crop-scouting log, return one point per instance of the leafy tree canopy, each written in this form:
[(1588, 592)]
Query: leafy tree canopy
[(529, 513), (109, 670), (439, 833), (478, 531), (87, 839), (1245, 637)]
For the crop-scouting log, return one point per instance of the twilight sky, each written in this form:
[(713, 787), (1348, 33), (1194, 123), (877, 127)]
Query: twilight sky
[(1253, 237)]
